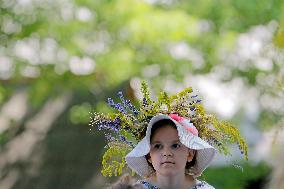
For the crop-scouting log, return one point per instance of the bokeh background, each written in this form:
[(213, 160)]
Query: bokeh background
[(61, 59)]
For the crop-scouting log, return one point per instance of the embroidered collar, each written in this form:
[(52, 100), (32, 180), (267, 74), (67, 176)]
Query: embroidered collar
[(200, 184)]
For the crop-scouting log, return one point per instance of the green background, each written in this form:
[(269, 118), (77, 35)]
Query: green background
[(60, 59)]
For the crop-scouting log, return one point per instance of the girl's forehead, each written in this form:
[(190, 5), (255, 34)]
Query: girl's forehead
[(165, 142), (165, 132)]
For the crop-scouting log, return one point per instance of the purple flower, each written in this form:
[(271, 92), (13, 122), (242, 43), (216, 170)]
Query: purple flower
[(109, 137), (145, 102), (123, 139), (117, 106), (192, 108), (132, 108), (109, 125), (194, 96), (111, 102), (127, 104), (120, 108)]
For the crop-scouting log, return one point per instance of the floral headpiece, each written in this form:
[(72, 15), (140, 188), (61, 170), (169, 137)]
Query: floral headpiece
[(125, 128)]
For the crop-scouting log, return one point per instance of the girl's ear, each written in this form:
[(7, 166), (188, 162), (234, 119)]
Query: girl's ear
[(190, 155)]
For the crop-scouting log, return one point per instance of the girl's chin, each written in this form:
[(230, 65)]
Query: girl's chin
[(168, 173)]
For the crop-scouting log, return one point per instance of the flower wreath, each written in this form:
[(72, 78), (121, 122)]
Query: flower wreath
[(125, 128)]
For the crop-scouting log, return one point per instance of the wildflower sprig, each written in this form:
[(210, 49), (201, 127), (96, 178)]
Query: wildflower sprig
[(218, 133), (128, 125), (113, 160)]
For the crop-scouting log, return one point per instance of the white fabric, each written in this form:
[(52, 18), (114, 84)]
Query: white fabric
[(199, 185), (204, 151)]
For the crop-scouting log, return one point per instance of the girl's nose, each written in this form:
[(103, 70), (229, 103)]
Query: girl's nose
[(167, 152)]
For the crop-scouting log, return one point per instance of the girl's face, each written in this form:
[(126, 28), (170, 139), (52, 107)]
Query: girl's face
[(167, 155)]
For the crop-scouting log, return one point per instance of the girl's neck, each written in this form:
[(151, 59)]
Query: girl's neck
[(177, 181)]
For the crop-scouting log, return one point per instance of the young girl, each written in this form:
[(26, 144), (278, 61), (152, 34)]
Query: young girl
[(171, 155), (168, 142)]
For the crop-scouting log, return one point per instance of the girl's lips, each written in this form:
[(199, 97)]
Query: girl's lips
[(168, 162)]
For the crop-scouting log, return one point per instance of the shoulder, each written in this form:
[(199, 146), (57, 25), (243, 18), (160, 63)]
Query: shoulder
[(202, 185), (147, 185), (125, 182)]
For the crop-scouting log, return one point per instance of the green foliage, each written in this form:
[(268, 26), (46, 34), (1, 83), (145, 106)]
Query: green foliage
[(279, 38), (230, 136), (2, 94), (268, 119), (80, 113), (235, 15), (234, 178), (113, 160), (222, 133), (3, 138), (145, 92)]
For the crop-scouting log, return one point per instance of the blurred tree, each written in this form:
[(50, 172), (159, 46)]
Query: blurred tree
[(82, 51)]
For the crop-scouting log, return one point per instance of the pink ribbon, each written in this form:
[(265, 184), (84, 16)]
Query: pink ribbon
[(185, 123)]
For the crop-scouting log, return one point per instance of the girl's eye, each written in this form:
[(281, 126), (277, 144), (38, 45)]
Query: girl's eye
[(157, 146), (176, 145)]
